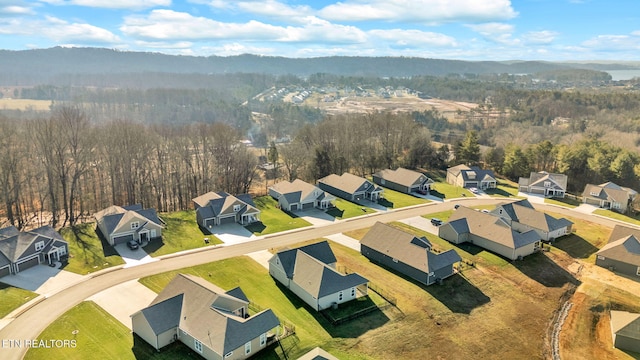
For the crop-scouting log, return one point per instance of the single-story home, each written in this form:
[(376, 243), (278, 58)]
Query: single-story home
[(544, 183), (300, 195), (490, 232), (625, 330), (350, 187), (609, 196), (214, 323), (622, 252), (309, 272), (471, 176), (407, 254), (522, 217), (20, 250), (120, 224), (403, 180), (213, 209)]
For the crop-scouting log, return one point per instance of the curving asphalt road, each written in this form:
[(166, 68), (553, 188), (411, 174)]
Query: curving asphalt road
[(30, 323)]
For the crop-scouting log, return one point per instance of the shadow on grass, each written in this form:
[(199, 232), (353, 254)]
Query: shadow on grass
[(107, 249), (154, 245), (176, 350), (458, 294), (256, 227), (540, 268), (575, 246), (436, 193), (498, 192), (386, 203), (469, 248), (292, 215), (335, 212), (350, 329)]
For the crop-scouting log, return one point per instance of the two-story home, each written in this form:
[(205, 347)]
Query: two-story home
[(403, 180), (350, 187), (21, 250), (121, 224), (522, 217), (309, 272), (467, 177), (622, 252), (214, 323), (300, 195), (407, 254), (609, 196), (544, 183), (490, 232), (213, 209)]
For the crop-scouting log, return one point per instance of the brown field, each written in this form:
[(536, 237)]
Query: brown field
[(24, 104)]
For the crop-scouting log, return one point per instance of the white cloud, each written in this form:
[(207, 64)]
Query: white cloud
[(413, 38), (421, 11), (540, 37), (496, 32), (112, 4), (59, 31), (614, 42), (275, 9)]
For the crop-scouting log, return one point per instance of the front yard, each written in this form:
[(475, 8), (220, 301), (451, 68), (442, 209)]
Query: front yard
[(13, 298), (181, 233), (87, 253), (345, 209), (272, 219), (448, 191), (617, 216), (394, 199)]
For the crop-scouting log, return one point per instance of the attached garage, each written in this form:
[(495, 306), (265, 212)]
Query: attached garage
[(228, 220), (122, 239), (5, 271), (307, 206), (592, 201), (29, 263), (293, 207)]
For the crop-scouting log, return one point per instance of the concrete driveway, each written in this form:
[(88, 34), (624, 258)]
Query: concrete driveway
[(42, 279), (232, 234), (122, 300), (133, 257), (345, 240), (316, 217), (421, 223), (586, 208), (262, 257)]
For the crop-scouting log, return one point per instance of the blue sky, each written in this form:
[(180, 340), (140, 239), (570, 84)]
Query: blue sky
[(554, 30)]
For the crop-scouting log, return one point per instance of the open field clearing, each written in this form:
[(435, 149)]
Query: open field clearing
[(24, 104)]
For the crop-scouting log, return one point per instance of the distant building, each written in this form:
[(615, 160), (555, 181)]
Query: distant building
[(20, 250), (120, 224), (350, 187), (466, 177), (622, 252), (214, 209), (403, 180), (299, 195), (544, 183), (522, 217), (609, 196)]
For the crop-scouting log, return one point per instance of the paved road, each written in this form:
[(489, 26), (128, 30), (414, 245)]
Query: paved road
[(32, 322)]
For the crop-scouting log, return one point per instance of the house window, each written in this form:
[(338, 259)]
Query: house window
[(547, 184), (381, 181), (228, 355), (263, 339), (197, 345), (616, 205), (39, 245), (500, 211), (638, 271), (340, 296), (236, 208), (594, 193), (394, 260), (353, 292), (247, 348), (600, 257), (62, 251), (135, 225)]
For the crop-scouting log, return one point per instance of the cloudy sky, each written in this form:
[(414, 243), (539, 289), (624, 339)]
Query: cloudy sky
[(448, 29)]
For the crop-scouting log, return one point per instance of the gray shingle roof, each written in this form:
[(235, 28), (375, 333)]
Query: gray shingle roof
[(523, 212), (164, 315), (403, 177), (558, 181), (18, 245), (609, 191), (626, 324), (625, 249), (321, 251), (214, 204), (319, 280), (407, 248), (349, 183), (297, 190), (113, 215)]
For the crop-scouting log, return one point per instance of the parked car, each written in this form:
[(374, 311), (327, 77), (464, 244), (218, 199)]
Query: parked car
[(456, 206), (436, 222), (132, 244), (473, 190)]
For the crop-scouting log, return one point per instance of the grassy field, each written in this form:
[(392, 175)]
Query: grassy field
[(180, 233), (505, 188), (272, 219), (87, 253), (566, 202), (24, 104), (346, 209), (394, 199), (586, 239), (448, 191), (13, 298), (617, 216), (100, 336)]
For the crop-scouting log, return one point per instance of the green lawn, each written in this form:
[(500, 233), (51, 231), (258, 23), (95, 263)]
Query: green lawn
[(99, 336), (87, 253), (394, 199), (504, 188), (272, 219), (181, 232), (617, 216), (566, 202), (13, 298), (448, 191), (442, 215), (346, 209)]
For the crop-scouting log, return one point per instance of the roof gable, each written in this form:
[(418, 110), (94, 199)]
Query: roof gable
[(626, 324), (347, 182), (19, 244), (320, 251), (403, 177)]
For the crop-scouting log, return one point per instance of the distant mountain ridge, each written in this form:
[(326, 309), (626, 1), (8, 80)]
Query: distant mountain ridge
[(38, 66)]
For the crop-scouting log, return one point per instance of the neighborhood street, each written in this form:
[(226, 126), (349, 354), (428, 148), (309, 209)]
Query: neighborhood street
[(34, 320)]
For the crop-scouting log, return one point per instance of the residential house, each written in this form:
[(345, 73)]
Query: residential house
[(466, 177), (350, 187), (407, 254), (403, 180), (309, 272), (120, 224), (20, 250), (522, 217), (213, 209), (609, 196), (490, 232), (212, 322), (622, 253), (300, 195), (544, 183), (625, 330)]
